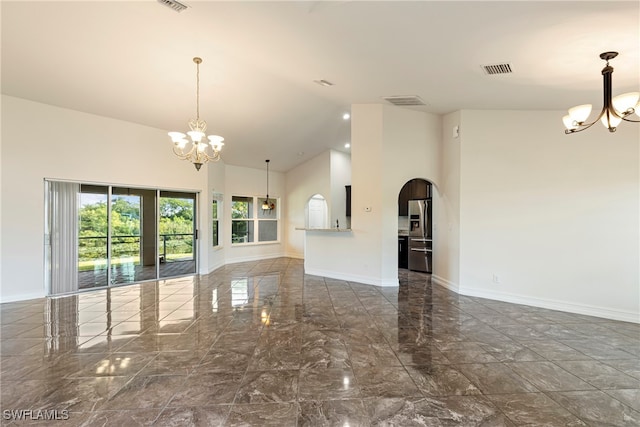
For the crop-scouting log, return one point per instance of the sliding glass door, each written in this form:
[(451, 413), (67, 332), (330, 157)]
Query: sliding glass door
[(133, 231), (111, 235), (177, 236), (93, 235)]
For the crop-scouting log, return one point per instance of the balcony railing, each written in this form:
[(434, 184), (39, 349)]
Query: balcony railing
[(176, 247), (172, 247)]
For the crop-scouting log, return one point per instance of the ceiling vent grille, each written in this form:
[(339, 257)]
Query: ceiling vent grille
[(323, 82), (173, 4), (497, 69), (404, 101)]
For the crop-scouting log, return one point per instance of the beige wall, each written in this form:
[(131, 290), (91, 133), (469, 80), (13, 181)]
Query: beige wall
[(389, 146), (447, 214), (340, 177), (554, 216), (41, 141), (216, 176), (241, 181), (523, 212), (302, 182)]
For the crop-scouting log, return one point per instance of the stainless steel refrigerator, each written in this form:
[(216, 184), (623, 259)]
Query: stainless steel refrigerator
[(420, 236)]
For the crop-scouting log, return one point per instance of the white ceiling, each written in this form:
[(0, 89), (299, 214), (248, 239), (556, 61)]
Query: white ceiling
[(132, 60)]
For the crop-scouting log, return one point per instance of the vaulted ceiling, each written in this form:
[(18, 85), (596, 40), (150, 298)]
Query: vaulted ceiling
[(132, 60)]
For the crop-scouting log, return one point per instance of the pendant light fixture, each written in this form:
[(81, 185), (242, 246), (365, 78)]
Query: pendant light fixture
[(267, 206), (614, 111), (196, 150)]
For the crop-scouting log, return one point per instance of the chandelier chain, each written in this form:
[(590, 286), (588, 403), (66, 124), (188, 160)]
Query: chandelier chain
[(195, 150), (197, 90)]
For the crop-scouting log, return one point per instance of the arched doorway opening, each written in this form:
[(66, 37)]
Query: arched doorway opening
[(316, 212), (415, 226)]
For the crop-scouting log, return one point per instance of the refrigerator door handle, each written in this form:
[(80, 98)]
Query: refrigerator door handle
[(424, 218)]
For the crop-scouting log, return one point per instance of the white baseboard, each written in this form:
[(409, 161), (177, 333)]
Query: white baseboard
[(252, 258), (296, 255), (216, 266), (588, 310), (569, 307), (352, 277), (445, 283)]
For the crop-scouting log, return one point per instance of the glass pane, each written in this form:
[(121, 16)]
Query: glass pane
[(214, 227), (241, 231), (177, 231), (268, 213), (214, 224), (92, 237), (125, 236), (241, 207), (267, 231)]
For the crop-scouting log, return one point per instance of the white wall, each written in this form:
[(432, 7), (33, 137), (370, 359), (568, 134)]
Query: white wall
[(411, 149), (340, 173), (389, 146), (447, 215), (216, 255), (42, 141), (302, 182), (554, 216), (241, 181)]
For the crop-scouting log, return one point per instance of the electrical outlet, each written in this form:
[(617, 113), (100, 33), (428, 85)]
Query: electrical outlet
[(496, 278)]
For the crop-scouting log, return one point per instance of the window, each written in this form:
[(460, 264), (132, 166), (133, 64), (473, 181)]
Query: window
[(215, 224), (247, 216), (268, 221)]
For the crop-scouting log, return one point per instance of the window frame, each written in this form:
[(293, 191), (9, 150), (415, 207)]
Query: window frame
[(217, 215), (255, 218)]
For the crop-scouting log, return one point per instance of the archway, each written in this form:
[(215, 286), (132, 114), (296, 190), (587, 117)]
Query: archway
[(316, 212), (415, 226)]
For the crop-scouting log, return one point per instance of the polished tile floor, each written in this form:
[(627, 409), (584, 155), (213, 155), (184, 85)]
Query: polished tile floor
[(262, 344)]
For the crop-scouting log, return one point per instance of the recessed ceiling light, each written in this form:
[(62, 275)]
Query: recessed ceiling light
[(323, 82), (347, 145), (346, 116)]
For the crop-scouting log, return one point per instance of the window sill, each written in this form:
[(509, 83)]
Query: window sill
[(237, 245)]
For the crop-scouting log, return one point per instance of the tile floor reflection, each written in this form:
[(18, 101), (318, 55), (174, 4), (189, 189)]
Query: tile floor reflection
[(262, 344)]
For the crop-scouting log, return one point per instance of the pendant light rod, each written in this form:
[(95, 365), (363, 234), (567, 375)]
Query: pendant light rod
[(198, 61), (614, 110), (266, 206)]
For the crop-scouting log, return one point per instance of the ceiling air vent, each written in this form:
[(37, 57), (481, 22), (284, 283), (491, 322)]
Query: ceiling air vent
[(404, 101), (173, 4), (323, 82), (497, 69)]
